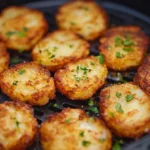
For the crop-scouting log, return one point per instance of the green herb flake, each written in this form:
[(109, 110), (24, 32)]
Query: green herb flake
[(107, 96), (118, 41), (15, 82), (86, 143), (52, 56), (10, 33), (94, 109), (91, 63), (116, 146), (128, 42), (67, 120), (101, 58), (71, 46), (118, 94), (90, 102), (119, 108), (85, 8), (77, 79), (72, 23), (25, 29), (22, 71), (21, 34), (21, 50), (17, 123), (119, 55), (111, 114), (129, 97), (128, 49), (82, 134), (55, 48), (55, 105), (15, 60)]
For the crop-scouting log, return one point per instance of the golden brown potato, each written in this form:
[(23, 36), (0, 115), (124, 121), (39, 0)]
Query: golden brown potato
[(18, 127), (21, 28), (124, 47), (28, 82), (142, 78), (85, 18), (59, 48), (81, 79), (126, 110), (4, 57), (72, 129)]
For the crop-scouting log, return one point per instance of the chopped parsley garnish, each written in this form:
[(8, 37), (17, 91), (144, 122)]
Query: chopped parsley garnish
[(119, 108), (56, 105), (55, 48), (90, 102), (120, 77), (129, 97), (111, 114), (71, 46), (92, 63), (15, 60), (22, 71), (82, 134), (86, 143), (107, 96), (21, 50), (116, 146), (15, 82), (77, 78), (127, 41), (94, 109), (85, 8), (17, 123), (10, 33), (101, 58), (128, 49), (25, 29), (72, 23), (118, 41), (119, 55), (118, 94), (52, 56), (67, 120)]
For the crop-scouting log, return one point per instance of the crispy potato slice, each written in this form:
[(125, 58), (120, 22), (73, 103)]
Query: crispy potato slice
[(126, 110), (59, 48), (74, 130), (81, 79), (21, 28), (124, 47), (28, 82), (142, 78), (4, 57), (85, 18), (18, 127)]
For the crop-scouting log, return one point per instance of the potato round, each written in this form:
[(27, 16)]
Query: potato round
[(21, 28), (124, 47), (126, 110), (28, 82), (72, 129), (18, 127), (142, 78), (4, 57), (85, 18), (58, 48), (81, 79)]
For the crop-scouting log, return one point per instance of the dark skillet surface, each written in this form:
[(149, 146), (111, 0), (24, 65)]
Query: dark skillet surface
[(119, 15)]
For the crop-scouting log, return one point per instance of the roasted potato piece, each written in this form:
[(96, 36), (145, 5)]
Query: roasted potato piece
[(142, 78), (126, 110), (85, 18), (58, 48), (4, 57), (18, 127), (124, 47), (21, 28), (72, 129), (81, 79), (28, 82)]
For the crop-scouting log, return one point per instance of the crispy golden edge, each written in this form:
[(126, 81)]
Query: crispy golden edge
[(61, 62), (36, 96), (102, 12), (123, 30), (24, 141), (136, 131)]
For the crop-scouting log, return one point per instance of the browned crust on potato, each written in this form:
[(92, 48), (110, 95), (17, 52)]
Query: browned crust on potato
[(74, 90), (119, 122), (39, 85), (4, 57), (34, 33), (142, 77), (130, 59), (61, 20), (56, 63), (67, 133), (10, 134)]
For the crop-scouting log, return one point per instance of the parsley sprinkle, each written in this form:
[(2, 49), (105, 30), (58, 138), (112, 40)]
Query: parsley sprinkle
[(71, 46), (111, 114), (21, 34), (119, 55), (25, 29), (15, 82), (67, 120), (72, 23), (118, 95), (90, 102), (55, 48), (82, 134), (56, 105), (92, 63), (21, 50), (101, 58), (15, 60), (86, 143), (17, 123), (22, 71), (94, 109), (129, 97), (107, 96), (10, 33), (116, 146), (128, 49), (52, 56), (77, 79), (119, 108), (118, 41)]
